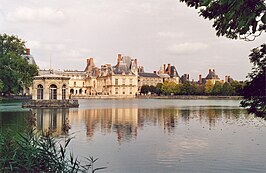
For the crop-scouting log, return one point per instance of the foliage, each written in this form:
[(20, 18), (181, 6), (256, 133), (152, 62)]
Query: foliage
[(227, 89), (208, 87), (159, 88), (31, 152), (199, 89), (168, 87), (186, 88), (144, 89), (233, 18), (255, 90), (15, 71), (217, 88)]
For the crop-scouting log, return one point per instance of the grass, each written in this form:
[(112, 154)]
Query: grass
[(35, 151)]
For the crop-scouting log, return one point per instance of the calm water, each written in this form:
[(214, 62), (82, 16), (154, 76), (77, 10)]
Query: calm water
[(139, 135)]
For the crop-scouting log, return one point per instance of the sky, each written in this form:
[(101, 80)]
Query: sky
[(156, 32)]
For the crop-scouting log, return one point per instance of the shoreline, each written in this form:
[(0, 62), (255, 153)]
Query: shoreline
[(192, 97), (183, 97)]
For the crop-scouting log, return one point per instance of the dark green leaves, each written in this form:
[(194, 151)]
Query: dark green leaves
[(233, 18)]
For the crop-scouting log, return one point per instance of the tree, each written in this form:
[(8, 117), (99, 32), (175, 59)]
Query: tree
[(255, 90), (217, 88), (233, 19), (208, 87), (168, 87), (144, 89), (186, 89), (15, 71), (152, 89), (237, 87), (199, 90), (239, 19), (227, 89), (159, 88)]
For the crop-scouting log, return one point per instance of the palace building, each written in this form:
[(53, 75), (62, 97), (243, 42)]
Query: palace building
[(120, 80)]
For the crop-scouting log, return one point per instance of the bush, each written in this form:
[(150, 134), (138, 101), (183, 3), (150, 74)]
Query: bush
[(32, 151)]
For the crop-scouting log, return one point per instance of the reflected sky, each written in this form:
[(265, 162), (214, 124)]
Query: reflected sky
[(161, 135)]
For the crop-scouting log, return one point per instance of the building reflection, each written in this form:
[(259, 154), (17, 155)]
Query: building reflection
[(125, 122), (52, 121)]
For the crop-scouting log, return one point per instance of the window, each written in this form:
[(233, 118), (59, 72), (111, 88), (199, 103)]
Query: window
[(116, 81), (116, 90), (53, 92), (124, 81), (64, 92), (131, 81), (80, 91), (74, 83), (72, 91), (40, 92)]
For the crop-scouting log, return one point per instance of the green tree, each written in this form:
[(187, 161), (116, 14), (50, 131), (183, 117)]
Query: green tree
[(255, 90), (152, 89), (177, 89), (233, 19), (199, 90), (186, 89), (144, 89), (217, 88), (208, 87), (227, 89), (168, 87), (238, 87), (238, 19), (15, 71), (159, 88)]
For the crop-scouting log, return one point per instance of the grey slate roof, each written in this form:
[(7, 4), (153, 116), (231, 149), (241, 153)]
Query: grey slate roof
[(149, 75)]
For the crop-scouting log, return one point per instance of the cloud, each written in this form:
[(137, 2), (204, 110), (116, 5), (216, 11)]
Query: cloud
[(186, 48), (40, 15), (170, 35)]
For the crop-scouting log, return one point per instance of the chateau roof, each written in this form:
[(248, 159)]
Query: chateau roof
[(51, 76), (173, 71), (212, 75), (149, 75)]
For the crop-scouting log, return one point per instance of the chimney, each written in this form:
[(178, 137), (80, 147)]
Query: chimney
[(213, 70), (136, 62), (91, 61), (164, 68), (210, 70), (200, 79), (27, 51), (169, 69), (118, 61), (88, 61), (97, 72)]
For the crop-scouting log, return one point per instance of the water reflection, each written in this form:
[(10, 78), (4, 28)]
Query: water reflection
[(125, 122), (53, 121)]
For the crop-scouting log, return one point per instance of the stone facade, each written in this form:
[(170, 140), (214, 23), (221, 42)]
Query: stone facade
[(50, 87), (120, 80)]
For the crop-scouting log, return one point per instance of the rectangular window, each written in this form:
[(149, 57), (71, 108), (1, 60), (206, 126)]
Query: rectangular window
[(116, 81)]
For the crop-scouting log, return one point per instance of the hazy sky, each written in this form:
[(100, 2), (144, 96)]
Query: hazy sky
[(153, 31)]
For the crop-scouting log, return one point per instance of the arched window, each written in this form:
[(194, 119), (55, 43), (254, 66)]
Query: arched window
[(53, 92), (64, 92), (71, 91), (39, 92), (80, 91)]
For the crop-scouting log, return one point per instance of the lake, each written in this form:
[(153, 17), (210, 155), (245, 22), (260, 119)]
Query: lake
[(156, 135)]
